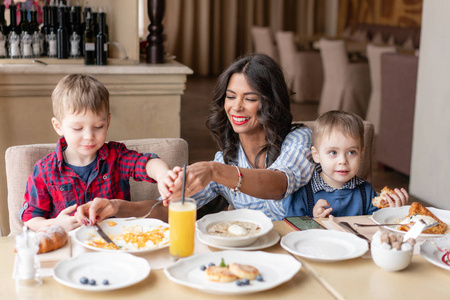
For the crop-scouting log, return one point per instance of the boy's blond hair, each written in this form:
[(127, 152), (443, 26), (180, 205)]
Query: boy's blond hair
[(77, 93), (348, 124)]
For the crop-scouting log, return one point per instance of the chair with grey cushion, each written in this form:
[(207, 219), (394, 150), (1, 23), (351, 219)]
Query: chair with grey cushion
[(20, 161)]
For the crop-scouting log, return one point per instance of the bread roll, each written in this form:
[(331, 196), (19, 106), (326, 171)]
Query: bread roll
[(51, 238)]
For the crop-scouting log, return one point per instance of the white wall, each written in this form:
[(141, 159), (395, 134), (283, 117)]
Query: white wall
[(430, 165)]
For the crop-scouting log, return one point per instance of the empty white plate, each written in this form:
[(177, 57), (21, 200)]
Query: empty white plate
[(324, 245)]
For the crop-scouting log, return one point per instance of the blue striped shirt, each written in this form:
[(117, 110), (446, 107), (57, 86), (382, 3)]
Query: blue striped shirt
[(295, 160)]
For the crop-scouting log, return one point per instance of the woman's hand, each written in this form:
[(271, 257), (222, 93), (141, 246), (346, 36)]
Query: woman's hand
[(399, 198), (96, 211), (198, 176), (322, 209)]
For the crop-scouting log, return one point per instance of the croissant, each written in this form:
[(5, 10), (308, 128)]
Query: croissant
[(51, 238)]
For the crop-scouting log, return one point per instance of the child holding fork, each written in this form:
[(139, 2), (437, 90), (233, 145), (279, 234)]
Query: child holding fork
[(84, 167)]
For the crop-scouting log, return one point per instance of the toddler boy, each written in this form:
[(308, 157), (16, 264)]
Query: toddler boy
[(338, 147)]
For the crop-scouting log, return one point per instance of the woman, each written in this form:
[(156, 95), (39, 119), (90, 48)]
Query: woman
[(262, 156)]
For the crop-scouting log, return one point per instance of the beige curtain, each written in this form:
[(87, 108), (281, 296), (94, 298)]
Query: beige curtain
[(207, 35)]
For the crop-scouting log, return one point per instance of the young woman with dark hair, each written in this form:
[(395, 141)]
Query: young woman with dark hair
[(262, 155)]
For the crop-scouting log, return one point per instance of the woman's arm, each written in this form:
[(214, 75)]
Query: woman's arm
[(259, 183)]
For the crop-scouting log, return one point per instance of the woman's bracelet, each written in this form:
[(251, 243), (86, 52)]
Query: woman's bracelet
[(237, 190)]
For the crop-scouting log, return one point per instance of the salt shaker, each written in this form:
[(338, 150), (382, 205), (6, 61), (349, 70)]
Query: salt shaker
[(27, 264)]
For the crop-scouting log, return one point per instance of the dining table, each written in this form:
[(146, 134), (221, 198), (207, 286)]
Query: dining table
[(357, 278)]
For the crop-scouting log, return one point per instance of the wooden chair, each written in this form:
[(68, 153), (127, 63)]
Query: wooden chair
[(20, 161)]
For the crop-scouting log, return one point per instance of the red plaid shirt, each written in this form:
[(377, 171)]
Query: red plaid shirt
[(53, 186)]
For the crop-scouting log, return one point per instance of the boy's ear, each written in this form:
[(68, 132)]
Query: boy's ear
[(315, 154), (57, 126), (362, 152), (109, 120)]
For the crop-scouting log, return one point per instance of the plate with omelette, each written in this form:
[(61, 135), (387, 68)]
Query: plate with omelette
[(406, 216), (132, 236)]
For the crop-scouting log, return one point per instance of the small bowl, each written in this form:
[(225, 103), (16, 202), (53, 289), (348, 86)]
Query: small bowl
[(242, 215), (391, 260)]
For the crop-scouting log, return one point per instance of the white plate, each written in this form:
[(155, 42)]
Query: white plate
[(432, 254), (243, 215), (85, 233), (261, 242), (324, 245), (120, 269), (275, 269), (394, 214)]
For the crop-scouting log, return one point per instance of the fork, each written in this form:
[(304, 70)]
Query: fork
[(147, 214)]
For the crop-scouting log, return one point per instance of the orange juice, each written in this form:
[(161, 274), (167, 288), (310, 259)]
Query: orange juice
[(182, 219)]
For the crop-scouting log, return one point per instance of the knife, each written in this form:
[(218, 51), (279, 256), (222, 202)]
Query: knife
[(352, 230), (417, 229), (104, 236)]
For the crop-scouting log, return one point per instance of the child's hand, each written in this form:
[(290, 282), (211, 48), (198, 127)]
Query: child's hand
[(165, 184), (399, 198), (65, 220), (96, 211), (322, 209)]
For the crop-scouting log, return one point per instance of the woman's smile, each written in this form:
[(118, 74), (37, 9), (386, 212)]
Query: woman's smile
[(238, 120)]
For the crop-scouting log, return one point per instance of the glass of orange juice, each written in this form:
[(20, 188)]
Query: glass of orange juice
[(182, 217)]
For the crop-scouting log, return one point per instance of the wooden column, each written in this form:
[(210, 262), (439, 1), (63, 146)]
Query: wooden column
[(155, 47)]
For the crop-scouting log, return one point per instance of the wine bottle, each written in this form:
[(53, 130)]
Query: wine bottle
[(23, 23), (45, 29), (62, 37), (74, 32), (101, 46), (13, 19), (3, 32), (86, 10), (33, 25), (53, 29), (89, 42), (14, 33)]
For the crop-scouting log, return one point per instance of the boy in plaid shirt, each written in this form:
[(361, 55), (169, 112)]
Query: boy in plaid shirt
[(83, 166)]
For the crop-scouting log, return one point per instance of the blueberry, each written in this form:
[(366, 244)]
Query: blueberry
[(245, 281), (105, 282), (92, 282), (203, 268), (211, 264), (84, 280), (239, 283), (259, 278)]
